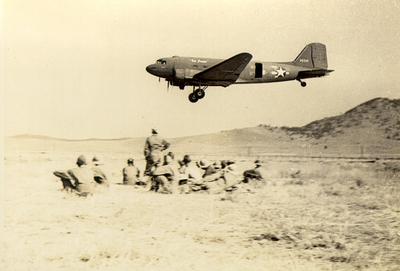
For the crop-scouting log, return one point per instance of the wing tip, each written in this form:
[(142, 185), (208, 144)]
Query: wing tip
[(246, 54)]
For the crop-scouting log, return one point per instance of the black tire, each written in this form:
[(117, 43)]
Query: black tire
[(193, 98), (200, 93), (303, 84)]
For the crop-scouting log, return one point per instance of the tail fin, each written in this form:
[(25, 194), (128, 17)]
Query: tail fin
[(312, 56)]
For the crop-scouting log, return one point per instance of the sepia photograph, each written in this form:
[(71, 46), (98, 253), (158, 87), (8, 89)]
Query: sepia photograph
[(200, 135)]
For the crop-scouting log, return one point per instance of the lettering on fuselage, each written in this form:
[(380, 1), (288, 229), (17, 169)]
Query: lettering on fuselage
[(198, 61), (304, 60)]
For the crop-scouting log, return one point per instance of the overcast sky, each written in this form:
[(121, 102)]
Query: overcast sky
[(76, 69)]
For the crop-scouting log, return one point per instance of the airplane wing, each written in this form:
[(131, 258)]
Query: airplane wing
[(227, 71)]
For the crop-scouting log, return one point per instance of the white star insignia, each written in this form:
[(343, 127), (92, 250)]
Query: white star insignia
[(280, 72)]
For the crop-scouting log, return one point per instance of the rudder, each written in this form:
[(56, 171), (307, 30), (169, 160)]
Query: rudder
[(312, 56)]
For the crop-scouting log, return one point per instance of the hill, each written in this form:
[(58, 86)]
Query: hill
[(380, 115), (371, 128)]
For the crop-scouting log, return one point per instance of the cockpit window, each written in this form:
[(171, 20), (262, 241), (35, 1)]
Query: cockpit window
[(161, 61)]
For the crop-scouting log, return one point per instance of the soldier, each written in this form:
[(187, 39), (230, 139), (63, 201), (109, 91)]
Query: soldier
[(253, 174), (162, 177), (170, 160), (83, 177), (192, 174), (174, 165), (183, 185), (208, 168), (231, 177), (66, 180), (153, 150), (212, 177), (131, 174), (99, 176)]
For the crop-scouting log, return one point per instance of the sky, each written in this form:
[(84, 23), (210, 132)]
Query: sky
[(76, 69)]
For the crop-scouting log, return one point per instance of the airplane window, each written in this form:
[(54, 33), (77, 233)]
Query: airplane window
[(161, 61)]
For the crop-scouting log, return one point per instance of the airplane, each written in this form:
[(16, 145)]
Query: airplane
[(202, 72)]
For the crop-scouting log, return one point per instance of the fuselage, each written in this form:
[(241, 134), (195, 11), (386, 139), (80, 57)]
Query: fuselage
[(180, 70)]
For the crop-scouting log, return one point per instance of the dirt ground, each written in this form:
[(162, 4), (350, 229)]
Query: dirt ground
[(311, 215)]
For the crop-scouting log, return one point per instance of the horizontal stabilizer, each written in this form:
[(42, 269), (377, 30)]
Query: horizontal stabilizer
[(313, 73)]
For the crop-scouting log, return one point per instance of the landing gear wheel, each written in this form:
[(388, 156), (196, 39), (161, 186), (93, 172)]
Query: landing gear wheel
[(193, 98), (303, 84), (200, 93)]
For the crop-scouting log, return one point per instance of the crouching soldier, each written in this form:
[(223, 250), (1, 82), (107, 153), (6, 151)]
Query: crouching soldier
[(224, 177), (190, 176), (131, 174), (83, 177), (253, 174), (231, 177), (161, 176), (99, 176), (213, 180), (66, 180)]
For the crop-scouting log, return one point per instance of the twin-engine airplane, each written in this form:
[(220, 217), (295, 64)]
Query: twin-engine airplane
[(204, 72)]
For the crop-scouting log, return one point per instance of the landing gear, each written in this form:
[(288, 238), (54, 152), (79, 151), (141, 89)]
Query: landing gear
[(193, 98), (302, 83), (197, 94), (200, 93)]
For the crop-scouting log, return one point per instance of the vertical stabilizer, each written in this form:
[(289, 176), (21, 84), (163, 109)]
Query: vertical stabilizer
[(312, 56)]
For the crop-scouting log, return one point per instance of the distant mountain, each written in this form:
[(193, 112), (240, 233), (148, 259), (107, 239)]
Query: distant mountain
[(42, 137), (30, 136), (380, 115), (371, 128)]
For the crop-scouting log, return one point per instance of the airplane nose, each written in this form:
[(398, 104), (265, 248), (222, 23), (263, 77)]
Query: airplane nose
[(151, 69)]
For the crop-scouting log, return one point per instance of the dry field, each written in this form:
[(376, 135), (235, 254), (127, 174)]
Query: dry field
[(311, 215)]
